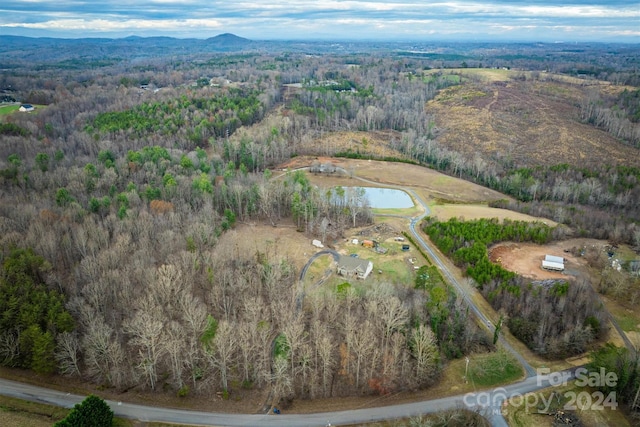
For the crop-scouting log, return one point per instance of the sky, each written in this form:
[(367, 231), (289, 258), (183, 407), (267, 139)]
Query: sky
[(340, 20)]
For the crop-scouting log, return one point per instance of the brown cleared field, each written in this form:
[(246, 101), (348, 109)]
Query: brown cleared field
[(429, 184), (526, 258), (282, 241), (471, 212), (509, 115)]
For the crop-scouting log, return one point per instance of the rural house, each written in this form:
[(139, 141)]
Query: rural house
[(349, 266), (27, 108)]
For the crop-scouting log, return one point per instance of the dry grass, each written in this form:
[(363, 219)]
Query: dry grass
[(534, 122), (487, 74), (520, 414), (22, 413), (430, 185), (24, 419), (470, 212)]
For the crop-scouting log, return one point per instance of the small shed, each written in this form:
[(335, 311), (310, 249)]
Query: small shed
[(368, 243), (553, 258), (550, 265), (317, 243)]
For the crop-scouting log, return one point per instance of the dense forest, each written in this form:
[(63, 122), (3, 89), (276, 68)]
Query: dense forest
[(554, 319), (116, 191)]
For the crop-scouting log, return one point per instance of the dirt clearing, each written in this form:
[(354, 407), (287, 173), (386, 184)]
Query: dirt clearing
[(526, 258), (282, 241)]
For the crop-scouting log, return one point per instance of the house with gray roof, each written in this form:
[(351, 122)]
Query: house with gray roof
[(350, 267)]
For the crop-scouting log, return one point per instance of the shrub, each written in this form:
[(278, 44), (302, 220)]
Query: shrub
[(92, 411)]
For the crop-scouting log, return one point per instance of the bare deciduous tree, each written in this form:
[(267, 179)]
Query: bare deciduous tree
[(146, 328), (425, 350), (66, 355), (223, 353)]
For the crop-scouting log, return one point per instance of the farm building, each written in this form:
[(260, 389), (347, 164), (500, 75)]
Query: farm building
[(368, 243), (553, 258), (350, 266), (27, 108), (552, 262)]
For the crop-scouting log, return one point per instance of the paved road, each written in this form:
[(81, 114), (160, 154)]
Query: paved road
[(494, 415), (464, 293), (488, 403)]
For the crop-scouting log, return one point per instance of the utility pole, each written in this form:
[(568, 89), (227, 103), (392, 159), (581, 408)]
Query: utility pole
[(466, 369)]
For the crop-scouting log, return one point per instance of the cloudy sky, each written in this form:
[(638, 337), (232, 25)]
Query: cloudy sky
[(517, 20)]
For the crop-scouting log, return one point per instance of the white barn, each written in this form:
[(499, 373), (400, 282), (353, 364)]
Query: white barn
[(552, 262), (554, 258)]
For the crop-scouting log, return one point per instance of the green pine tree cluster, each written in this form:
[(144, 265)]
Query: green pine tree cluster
[(31, 314)]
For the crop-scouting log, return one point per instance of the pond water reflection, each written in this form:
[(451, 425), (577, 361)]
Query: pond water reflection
[(387, 198)]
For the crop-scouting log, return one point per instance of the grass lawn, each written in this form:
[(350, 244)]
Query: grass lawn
[(530, 409), (393, 270), (627, 322), (398, 211), (23, 413), (318, 269), (494, 368), (8, 109)]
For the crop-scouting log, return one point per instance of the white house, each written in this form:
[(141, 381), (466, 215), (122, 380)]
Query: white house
[(26, 108)]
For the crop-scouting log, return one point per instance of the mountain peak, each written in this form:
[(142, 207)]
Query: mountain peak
[(228, 38)]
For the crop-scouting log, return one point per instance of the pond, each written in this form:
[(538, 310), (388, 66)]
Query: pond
[(386, 198)]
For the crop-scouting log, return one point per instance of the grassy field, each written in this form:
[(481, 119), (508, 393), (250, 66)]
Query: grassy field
[(22, 413), (398, 211), (492, 369), (19, 413), (530, 410), (317, 270), (8, 109), (470, 212)]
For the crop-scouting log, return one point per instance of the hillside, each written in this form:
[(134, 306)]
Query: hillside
[(525, 121)]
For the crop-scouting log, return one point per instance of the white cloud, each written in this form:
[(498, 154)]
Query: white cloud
[(332, 18), (103, 25)]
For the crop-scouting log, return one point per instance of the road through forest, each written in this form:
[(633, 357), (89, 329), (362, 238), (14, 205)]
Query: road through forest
[(489, 403)]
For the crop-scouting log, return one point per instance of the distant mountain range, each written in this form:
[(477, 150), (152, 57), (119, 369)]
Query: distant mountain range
[(83, 53), (78, 53), (43, 49)]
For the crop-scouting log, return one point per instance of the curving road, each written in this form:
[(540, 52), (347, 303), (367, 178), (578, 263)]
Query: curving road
[(484, 320), (488, 402), (494, 415)]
